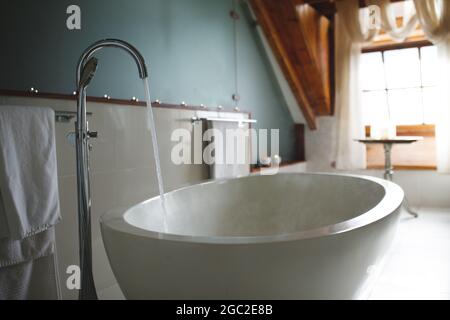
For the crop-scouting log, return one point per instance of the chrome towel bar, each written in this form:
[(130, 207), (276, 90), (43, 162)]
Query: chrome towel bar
[(66, 116), (195, 119)]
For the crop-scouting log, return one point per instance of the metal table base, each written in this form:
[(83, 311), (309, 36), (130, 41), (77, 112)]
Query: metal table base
[(389, 174), (388, 168)]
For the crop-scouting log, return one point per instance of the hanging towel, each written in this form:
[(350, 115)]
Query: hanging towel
[(28, 172), (39, 245), (28, 268), (29, 205), (30, 280), (227, 150)]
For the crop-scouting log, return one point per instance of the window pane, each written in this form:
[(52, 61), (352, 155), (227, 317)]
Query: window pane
[(402, 68), (405, 106), (372, 71), (430, 65), (375, 108), (431, 102)]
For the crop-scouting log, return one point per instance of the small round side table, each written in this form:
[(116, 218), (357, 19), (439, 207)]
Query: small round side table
[(388, 168)]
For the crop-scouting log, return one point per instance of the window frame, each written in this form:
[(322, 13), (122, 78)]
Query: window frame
[(382, 48), (425, 130)]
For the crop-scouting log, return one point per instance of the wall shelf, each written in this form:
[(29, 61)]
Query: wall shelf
[(155, 104)]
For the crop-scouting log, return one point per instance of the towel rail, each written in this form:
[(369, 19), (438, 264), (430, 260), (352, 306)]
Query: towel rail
[(195, 119), (66, 116)]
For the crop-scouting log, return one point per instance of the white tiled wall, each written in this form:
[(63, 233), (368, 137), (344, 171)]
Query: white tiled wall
[(122, 171)]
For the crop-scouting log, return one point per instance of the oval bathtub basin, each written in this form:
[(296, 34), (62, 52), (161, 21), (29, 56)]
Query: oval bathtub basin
[(286, 236)]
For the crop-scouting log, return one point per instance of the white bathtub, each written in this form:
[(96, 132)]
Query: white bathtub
[(288, 236)]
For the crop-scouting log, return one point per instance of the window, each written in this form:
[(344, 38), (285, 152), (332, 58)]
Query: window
[(400, 85)]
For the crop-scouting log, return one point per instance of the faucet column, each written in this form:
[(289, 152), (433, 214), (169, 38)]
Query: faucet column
[(86, 68)]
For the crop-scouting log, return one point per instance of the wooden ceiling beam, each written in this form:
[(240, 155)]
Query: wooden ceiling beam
[(298, 36), (327, 8), (265, 19)]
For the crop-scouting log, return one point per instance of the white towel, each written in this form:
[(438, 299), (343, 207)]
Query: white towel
[(30, 280), (28, 172), (33, 247), (238, 152), (28, 267)]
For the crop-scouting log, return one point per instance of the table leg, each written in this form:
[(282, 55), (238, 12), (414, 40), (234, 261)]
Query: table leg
[(408, 208), (388, 169), (389, 172)]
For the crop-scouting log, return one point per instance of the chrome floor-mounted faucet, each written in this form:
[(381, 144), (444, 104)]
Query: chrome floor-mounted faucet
[(87, 65)]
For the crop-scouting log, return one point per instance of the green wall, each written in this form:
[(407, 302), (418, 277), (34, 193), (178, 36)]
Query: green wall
[(188, 46)]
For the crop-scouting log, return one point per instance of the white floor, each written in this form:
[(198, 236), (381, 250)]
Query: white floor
[(418, 265)]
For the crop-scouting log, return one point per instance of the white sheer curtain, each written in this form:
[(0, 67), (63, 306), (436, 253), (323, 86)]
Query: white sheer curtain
[(388, 19), (351, 33), (434, 17)]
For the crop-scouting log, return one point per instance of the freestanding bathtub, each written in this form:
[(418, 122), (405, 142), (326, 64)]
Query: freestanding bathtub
[(286, 236)]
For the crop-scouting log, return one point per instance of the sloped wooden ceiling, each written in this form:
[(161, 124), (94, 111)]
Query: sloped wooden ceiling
[(300, 39), (328, 7)]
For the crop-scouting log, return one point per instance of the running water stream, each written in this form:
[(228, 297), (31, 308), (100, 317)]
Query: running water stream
[(152, 129)]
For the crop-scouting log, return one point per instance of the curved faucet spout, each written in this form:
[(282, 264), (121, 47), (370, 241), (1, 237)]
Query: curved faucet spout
[(86, 67), (89, 52)]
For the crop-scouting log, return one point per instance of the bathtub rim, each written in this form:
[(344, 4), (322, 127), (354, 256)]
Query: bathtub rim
[(389, 204)]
